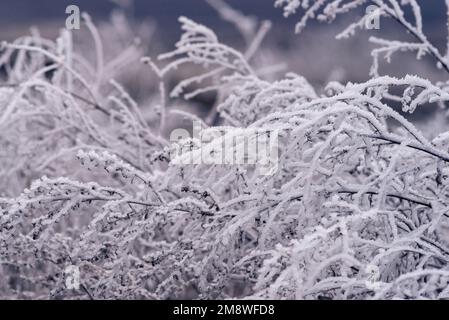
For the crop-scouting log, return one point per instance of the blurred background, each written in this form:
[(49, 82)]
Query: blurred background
[(314, 53)]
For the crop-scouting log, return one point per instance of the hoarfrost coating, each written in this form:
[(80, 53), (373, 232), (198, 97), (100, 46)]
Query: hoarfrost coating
[(92, 208)]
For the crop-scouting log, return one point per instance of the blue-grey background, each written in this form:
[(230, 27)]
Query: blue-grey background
[(314, 54)]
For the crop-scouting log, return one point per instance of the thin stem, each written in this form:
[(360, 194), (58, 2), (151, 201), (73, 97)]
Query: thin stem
[(432, 50), (391, 195), (410, 145)]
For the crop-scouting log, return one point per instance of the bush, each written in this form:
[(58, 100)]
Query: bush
[(357, 208)]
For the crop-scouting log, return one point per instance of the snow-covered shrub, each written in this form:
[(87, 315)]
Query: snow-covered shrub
[(407, 14), (356, 210)]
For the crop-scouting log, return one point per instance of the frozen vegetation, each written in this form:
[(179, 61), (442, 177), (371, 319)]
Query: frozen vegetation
[(357, 208)]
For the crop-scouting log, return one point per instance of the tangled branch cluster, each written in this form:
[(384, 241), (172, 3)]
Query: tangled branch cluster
[(353, 192)]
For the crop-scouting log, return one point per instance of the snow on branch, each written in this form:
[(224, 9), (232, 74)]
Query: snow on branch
[(356, 207), (328, 10)]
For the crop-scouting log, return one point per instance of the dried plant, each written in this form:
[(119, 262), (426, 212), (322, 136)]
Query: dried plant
[(356, 210)]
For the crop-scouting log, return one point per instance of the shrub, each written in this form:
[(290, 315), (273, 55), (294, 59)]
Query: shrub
[(356, 210)]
